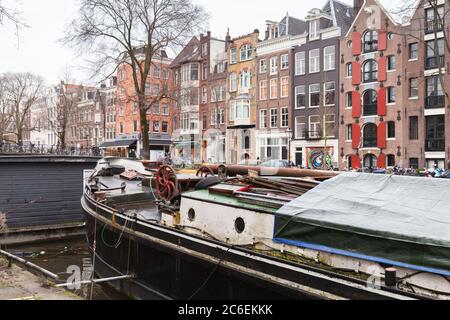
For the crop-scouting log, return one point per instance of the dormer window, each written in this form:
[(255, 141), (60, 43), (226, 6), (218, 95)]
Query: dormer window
[(314, 30), (274, 32)]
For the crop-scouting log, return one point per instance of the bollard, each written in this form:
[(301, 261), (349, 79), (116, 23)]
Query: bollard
[(391, 277)]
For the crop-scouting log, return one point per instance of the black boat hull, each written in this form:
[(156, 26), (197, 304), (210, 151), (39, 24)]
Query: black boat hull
[(170, 264)]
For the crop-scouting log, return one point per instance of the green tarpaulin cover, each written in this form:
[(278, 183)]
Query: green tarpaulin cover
[(403, 221)]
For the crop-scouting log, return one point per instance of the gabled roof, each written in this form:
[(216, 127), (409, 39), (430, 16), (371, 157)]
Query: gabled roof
[(382, 7), (295, 26), (189, 53)]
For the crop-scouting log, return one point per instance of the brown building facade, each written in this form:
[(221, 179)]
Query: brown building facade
[(372, 97)]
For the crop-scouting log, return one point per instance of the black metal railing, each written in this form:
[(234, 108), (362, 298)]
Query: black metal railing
[(15, 149), (434, 62), (434, 102), (370, 110), (370, 142), (435, 145), (433, 26)]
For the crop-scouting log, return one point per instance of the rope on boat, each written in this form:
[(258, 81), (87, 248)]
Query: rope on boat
[(211, 275)]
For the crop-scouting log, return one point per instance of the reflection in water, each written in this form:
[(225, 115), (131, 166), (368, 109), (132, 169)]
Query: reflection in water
[(59, 257)]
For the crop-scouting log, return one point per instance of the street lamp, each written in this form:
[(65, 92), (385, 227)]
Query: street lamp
[(289, 132)]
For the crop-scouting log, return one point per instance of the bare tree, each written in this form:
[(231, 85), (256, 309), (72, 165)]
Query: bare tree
[(5, 112), (113, 31), (22, 92), (67, 99)]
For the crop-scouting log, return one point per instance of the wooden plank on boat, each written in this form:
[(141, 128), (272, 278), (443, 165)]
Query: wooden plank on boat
[(228, 189)]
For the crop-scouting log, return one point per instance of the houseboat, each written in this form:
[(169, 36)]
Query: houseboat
[(267, 235)]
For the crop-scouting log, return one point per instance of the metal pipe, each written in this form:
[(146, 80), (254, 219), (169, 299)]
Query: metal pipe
[(95, 281), (29, 265), (234, 170)]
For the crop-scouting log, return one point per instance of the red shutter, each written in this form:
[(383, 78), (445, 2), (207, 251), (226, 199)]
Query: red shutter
[(356, 136), (356, 43), (382, 69), (382, 134), (381, 162), (382, 40), (356, 162), (356, 104), (382, 100), (356, 71)]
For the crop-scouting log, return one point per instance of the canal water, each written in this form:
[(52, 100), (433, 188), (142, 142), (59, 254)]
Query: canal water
[(61, 257)]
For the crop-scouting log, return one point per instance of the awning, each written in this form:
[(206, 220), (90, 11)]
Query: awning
[(118, 144), (160, 140), (186, 143)]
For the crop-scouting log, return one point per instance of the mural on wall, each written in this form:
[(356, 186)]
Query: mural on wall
[(316, 157)]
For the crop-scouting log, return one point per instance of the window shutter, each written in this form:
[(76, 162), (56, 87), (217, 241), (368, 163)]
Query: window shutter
[(382, 40), (381, 162), (356, 162), (356, 43), (382, 69), (357, 73), (356, 136), (356, 101), (382, 100), (382, 134)]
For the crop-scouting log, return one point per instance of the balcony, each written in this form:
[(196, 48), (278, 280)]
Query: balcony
[(370, 110), (435, 145), (435, 102), (434, 62), (433, 26)]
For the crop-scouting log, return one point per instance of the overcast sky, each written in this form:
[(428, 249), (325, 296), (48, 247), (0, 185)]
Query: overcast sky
[(36, 49)]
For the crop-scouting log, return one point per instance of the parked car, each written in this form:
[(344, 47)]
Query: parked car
[(277, 164)]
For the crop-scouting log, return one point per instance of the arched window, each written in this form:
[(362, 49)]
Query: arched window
[(370, 71), (246, 52), (370, 103), (370, 161), (370, 138), (349, 69), (370, 41)]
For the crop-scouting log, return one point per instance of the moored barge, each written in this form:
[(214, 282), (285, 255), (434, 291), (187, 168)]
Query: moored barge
[(258, 237)]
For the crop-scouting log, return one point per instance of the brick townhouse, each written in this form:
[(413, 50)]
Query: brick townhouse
[(128, 128), (372, 97), (275, 66), (316, 88)]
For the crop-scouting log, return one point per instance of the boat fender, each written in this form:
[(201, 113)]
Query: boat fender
[(207, 182)]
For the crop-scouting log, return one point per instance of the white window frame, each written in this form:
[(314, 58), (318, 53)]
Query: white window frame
[(301, 134), (314, 30), (263, 66), (284, 116), (297, 92), (284, 61), (329, 58), (272, 115), (233, 82), (272, 95), (233, 56), (263, 119), (286, 94), (311, 92), (273, 65), (314, 61), (300, 63), (261, 88)]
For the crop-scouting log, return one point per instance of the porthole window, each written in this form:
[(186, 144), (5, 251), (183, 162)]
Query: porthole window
[(239, 225), (350, 44), (191, 214), (390, 35)]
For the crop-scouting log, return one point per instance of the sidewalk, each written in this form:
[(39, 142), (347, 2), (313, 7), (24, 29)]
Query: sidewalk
[(18, 284)]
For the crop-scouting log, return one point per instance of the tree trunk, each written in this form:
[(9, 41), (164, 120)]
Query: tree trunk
[(144, 130)]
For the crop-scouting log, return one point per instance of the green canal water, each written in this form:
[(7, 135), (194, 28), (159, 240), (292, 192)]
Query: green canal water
[(58, 257)]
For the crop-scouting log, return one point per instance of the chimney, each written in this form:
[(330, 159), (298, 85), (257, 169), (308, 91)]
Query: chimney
[(357, 5)]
